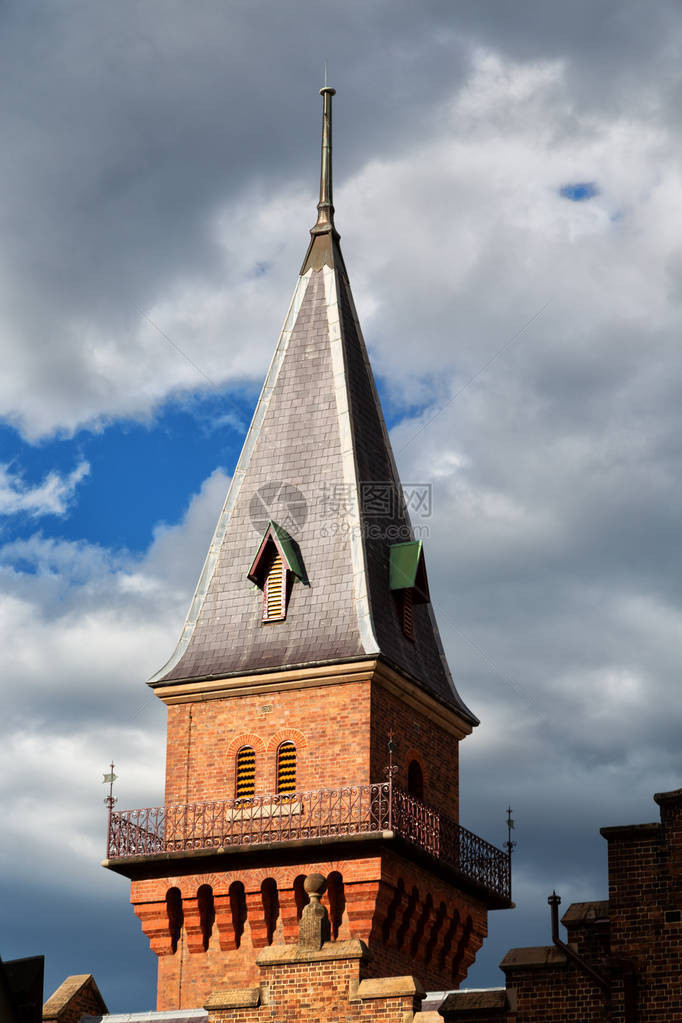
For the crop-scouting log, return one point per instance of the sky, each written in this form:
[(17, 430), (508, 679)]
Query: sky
[(508, 188)]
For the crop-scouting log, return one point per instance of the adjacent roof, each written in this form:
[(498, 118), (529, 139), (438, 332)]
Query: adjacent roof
[(534, 955), (163, 1016), (586, 912), (317, 456)]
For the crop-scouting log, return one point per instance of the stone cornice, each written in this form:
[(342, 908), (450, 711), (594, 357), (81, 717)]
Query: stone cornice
[(313, 676)]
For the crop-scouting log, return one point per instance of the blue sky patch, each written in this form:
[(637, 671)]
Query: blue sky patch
[(140, 473), (579, 191)]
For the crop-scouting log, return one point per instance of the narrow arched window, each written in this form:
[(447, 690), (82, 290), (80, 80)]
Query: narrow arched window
[(415, 780), (246, 772), (286, 767), (274, 591)]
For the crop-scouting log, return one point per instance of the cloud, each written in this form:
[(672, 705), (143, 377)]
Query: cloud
[(142, 206), (52, 496), (161, 179), (81, 628)]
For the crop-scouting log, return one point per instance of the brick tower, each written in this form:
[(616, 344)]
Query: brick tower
[(313, 726)]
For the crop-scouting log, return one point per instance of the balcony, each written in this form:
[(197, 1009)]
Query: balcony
[(381, 810)]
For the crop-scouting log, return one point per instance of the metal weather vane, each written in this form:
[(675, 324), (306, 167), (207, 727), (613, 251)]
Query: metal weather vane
[(109, 780)]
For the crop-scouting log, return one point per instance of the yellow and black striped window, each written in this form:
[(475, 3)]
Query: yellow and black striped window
[(246, 772), (274, 606), (286, 767)]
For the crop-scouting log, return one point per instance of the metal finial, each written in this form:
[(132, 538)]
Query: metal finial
[(325, 208), (391, 769), (325, 74), (509, 845), (109, 780)]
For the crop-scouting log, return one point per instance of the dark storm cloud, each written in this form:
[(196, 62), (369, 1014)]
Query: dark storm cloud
[(126, 127)]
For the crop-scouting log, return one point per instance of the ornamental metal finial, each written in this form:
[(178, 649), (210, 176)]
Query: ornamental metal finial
[(325, 208), (109, 780), (392, 769), (509, 845)]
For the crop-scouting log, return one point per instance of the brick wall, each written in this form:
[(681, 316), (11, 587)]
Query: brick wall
[(549, 988), (415, 737), (326, 985), (330, 726), (634, 936), (340, 731), (402, 910), (76, 996), (408, 916), (645, 900)]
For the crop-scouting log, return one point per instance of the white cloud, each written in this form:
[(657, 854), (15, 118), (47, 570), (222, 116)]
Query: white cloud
[(81, 628), (52, 496)]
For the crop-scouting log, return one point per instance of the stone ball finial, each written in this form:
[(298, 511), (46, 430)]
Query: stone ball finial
[(315, 885), (314, 929)]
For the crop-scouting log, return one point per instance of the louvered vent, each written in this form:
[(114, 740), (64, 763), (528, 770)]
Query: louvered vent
[(274, 607), (286, 767), (246, 772), (408, 612)]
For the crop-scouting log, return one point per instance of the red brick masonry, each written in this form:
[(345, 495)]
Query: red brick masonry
[(633, 942), (298, 984), (407, 915)]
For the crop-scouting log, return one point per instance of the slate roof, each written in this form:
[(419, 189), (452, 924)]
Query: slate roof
[(316, 460)]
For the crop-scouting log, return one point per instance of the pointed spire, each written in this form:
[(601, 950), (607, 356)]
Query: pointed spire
[(324, 249), (318, 423), (325, 207)]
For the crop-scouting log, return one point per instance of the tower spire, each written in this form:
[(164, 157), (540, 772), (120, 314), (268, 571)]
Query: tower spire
[(325, 207), (324, 248)]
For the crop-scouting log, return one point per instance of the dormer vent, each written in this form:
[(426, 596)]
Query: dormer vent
[(276, 564), (407, 579), (274, 589)]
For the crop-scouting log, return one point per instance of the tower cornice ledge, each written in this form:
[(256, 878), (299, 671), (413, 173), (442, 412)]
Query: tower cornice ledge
[(315, 675)]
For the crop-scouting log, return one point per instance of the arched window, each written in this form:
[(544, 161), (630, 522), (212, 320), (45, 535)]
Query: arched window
[(246, 773), (286, 767), (415, 780)]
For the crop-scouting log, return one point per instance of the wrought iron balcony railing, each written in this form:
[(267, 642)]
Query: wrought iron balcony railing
[(349, 810)]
